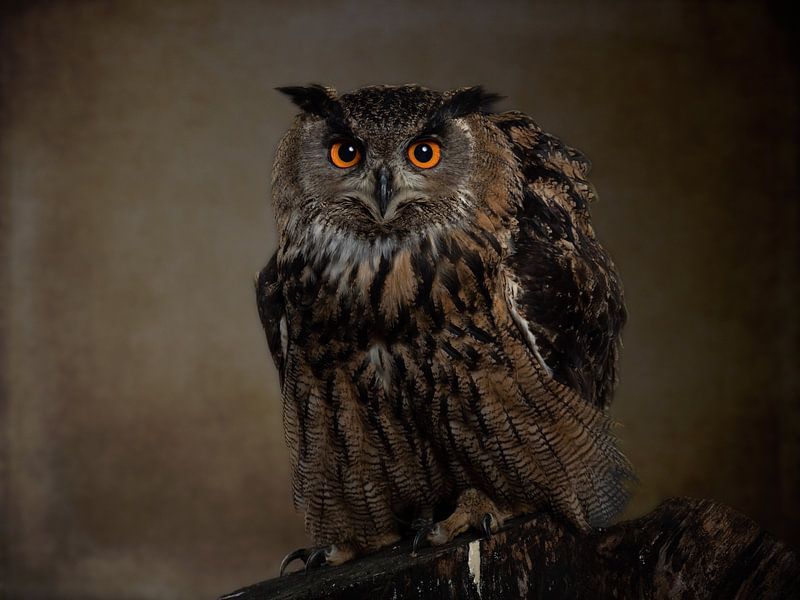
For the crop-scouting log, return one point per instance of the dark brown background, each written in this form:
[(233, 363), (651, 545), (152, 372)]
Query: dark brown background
[(142, 454)]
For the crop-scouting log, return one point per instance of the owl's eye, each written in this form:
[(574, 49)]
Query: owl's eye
[(345, 154), (425, 154)]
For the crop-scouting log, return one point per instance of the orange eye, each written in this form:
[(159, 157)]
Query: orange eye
[(345, 154), (424, 154)]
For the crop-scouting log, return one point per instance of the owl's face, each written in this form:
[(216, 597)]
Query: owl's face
[(377, 164)]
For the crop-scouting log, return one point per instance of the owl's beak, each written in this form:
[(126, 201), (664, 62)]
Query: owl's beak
[(383, 188)]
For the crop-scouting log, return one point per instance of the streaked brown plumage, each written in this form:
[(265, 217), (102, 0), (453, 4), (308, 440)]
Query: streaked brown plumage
[(453, 347)]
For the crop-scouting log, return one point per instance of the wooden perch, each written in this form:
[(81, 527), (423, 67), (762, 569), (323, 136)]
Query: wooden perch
[(685, 548)]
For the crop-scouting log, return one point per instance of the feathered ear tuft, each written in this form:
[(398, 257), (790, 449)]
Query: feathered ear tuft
[(470, 100), (462, 102), (314, 99)]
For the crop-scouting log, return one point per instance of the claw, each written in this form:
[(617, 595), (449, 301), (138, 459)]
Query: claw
[(422, 533), (316, 558), (486, 525), (418, 540), (301, 553)]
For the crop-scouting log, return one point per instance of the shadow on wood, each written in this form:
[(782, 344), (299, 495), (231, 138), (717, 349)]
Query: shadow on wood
[(683, 549)]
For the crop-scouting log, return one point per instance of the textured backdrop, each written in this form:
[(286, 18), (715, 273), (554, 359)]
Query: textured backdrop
[(142, 454)]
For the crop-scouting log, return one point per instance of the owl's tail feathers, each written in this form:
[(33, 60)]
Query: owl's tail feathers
[(579, 450), (611, 480)]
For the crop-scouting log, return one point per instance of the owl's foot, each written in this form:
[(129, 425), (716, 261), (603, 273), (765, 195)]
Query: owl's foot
[(473, 509), (423, 531), (335, 554)]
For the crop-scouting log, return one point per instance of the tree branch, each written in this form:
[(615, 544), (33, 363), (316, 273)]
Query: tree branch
[(685, 548)]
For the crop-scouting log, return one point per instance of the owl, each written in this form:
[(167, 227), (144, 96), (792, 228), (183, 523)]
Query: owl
[(444, 323)]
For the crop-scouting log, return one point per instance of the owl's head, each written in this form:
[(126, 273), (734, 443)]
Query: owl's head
[(379, 164)]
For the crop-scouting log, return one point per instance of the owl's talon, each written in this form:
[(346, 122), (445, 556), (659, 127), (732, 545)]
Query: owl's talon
[(474, 510), (486, 525), (311, 557), (422, 535), (316, 559), (301, 553)]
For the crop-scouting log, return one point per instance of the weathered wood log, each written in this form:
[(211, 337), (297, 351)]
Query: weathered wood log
[(683, 549)]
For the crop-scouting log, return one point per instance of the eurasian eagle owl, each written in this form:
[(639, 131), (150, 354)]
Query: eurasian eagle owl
[(443, 320)]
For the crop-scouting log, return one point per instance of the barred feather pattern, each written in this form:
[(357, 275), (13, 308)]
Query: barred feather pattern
[(476, 356)]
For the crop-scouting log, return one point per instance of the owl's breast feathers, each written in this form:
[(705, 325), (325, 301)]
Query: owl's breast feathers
[(475, 359)]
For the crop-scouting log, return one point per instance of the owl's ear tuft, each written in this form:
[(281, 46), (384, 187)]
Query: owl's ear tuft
[(470, 100), (314, 99), (462, 102)]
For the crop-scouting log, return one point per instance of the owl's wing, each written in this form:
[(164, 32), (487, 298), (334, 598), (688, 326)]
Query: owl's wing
[(569, 292), (271, 309)]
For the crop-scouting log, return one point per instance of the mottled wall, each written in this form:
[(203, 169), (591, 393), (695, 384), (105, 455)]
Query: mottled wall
[(142, 454)]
